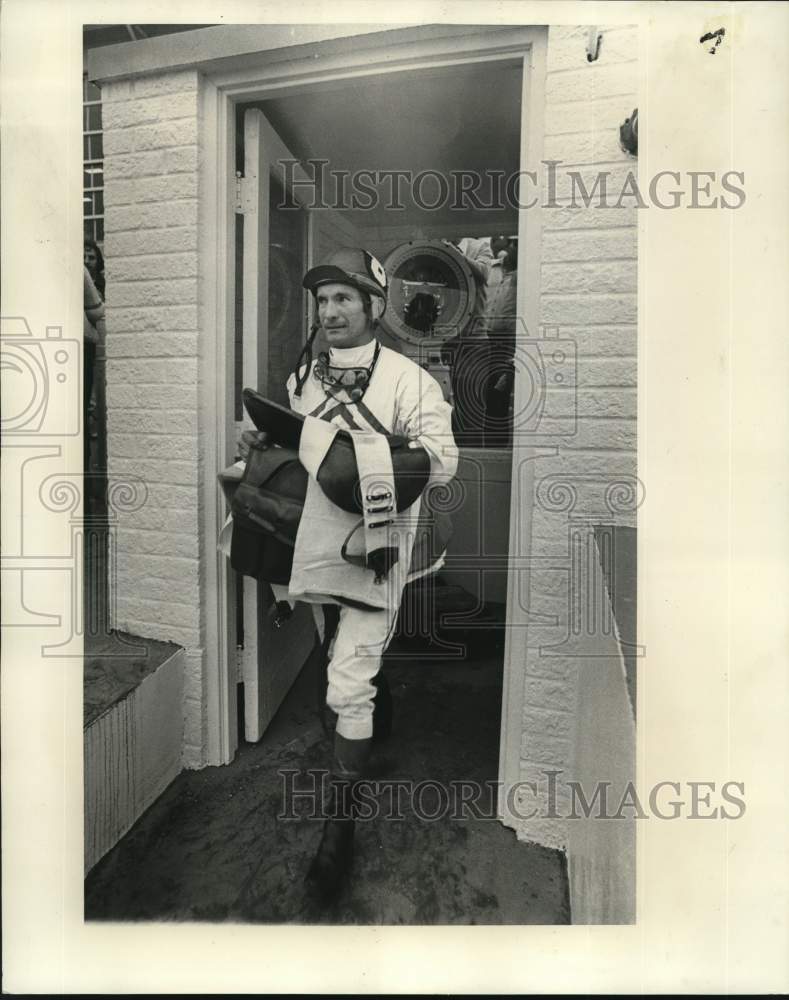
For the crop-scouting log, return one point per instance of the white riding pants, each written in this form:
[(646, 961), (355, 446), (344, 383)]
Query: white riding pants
[(354, 660)]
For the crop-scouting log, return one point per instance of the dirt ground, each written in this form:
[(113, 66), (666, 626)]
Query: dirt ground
[(213, 849)]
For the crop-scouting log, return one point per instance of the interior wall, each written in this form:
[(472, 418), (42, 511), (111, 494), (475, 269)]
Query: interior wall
[(333, 229), (409, 148)]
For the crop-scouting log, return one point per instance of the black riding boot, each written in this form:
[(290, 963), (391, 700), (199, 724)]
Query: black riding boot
[(382, 709), (331, 865)]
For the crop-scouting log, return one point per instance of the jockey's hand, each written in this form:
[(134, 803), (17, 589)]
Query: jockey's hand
[(252, 439)]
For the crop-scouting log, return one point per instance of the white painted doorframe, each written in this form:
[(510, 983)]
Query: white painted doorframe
[(271, 658), (434, 48)]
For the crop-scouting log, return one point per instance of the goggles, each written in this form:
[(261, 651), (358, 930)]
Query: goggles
[(353, 381)]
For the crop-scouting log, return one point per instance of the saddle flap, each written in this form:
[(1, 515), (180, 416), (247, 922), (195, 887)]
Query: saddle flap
[(263, 464), (338, 474)]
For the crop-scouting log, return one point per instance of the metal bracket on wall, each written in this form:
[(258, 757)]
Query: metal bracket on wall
[(593, 44)]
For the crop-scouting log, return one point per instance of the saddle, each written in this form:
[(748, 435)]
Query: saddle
[(268, 501)]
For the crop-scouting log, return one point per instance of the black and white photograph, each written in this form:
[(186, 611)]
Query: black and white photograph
[(381, 540), (387, 693)]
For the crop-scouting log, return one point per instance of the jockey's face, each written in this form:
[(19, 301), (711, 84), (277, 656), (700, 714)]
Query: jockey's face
[(342, 316)]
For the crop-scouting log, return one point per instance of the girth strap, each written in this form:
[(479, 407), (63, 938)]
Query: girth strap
[(379, 504)]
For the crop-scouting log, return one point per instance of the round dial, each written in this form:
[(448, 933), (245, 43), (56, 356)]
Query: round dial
[(431, 292)]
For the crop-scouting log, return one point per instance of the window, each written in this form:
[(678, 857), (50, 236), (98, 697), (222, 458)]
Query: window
[(93, 163)]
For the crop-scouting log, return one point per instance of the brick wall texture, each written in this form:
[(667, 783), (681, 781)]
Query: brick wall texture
[(588, 297), (151, 171)]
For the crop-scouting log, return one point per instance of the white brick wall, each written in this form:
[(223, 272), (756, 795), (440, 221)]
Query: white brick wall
[(588, 295), (151, 245)]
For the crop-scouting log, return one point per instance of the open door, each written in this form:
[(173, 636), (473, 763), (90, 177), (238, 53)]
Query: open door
[(275, 251)]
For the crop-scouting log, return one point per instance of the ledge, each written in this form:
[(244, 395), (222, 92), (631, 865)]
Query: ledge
[(114, 666), (133, 735), (213, 49)]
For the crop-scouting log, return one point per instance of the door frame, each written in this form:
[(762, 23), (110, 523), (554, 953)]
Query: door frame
[(389, 52), (266, 683)]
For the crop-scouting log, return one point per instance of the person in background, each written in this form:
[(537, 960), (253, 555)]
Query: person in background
[(467, 355), (93, 333), (94, 262), (498, 323), (480, 257)]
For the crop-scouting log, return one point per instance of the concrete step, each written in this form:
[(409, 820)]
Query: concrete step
[(133, 729)]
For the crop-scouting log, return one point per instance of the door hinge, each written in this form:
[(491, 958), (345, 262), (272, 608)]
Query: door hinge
[(245, 195)]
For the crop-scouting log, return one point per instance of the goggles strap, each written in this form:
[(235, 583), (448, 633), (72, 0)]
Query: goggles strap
[(306, 357)]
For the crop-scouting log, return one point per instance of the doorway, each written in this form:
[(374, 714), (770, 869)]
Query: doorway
[(363, 149), (346, 121)]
